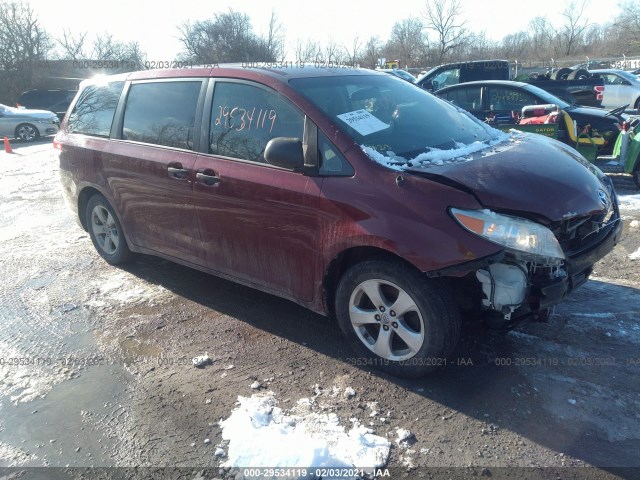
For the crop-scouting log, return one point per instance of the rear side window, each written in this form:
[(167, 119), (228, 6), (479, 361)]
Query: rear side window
[(245, 117), (162, 113), (467, 98), (93, 112)]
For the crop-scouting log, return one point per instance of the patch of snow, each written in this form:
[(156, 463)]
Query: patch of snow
[(219, 452), (349, 392), (255, 385), (629, 202), (304, 438), (435, 156), (634, 224), (635, 255), (201, 360), (403, 435), (572, 401)]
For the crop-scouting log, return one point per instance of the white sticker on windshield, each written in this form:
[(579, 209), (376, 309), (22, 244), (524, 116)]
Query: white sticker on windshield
[(362, 122)]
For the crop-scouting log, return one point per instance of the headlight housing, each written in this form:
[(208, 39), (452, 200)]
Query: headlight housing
[(520, 235)]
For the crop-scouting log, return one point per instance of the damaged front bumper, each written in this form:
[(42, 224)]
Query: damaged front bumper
[(512, 287)]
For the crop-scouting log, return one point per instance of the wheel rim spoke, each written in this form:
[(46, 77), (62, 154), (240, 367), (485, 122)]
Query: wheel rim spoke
[(403, 304), (371, 289), (362, 317), (382, 347), (102, 215), (411, 338)]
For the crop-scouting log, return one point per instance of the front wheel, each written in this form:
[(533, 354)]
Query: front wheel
[(396, 319), (27, 132), (106, 232)]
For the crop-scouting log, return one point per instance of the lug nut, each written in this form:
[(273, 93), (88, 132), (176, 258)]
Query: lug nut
[(392, 313), (394, 324), (385, 327), (377, 317), (382, 308)]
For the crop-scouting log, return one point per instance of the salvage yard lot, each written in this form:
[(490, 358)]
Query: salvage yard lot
[(108, 379)]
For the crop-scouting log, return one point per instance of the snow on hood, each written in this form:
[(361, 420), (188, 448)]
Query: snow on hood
[(437, 157), (260, 434)]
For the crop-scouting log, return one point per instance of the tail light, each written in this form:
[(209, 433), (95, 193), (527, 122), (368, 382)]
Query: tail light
[(57, 145), (599, 91)]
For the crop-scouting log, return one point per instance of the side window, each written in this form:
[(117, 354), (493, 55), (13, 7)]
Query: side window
[(508, 99), (467, 98), (93, 112), (332, 163), (162, 113), (245, 117)]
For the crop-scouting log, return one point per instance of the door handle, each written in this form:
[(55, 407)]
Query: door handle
[(208, 178), (175, 170)]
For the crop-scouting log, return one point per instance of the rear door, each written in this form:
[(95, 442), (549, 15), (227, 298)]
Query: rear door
[(259, 223), (150, 165)]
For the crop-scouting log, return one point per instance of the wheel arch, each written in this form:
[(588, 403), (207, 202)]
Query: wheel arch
[(345, 260)]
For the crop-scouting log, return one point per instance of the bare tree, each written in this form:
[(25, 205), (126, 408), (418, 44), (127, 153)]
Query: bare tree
[(73, 46), (541, 34), (406, 41), (273, 42), (353, 53), (625, 30), (227, 37), (307, 51), (443, 17), (575, 24), (24, 44), (372, 52)]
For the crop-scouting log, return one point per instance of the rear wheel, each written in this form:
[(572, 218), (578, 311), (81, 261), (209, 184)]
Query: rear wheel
[(397, 320), (106, 232), (27, 132)]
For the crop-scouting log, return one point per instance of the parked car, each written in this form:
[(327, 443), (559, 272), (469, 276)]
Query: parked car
[(502, 101), (399, 73), (572, 86), (27, 124), (621, 88), (56, 101), (350, 192)]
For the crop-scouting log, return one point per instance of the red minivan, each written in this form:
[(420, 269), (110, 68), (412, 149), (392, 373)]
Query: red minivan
[(348, 191)]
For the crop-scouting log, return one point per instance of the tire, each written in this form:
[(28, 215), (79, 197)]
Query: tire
[(637, 105), (27, 132), (636, 172), (561, 74), (410, 343), (106, 232), (579, 74)]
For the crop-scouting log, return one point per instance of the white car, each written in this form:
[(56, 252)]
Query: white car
[(620, 88), (27, 124)]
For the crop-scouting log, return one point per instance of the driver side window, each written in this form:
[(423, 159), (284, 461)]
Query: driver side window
[(245, 117)]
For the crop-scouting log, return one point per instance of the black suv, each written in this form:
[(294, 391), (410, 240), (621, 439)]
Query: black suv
[(56, 101)]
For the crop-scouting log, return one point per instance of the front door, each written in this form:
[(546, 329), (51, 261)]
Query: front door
[(258, 222)]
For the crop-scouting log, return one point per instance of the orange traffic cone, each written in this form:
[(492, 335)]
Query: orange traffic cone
[(7, 146)]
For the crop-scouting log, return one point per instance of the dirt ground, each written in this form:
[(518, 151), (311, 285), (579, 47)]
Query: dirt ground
[(120, 389)]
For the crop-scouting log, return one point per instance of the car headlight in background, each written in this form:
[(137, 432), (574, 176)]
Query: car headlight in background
[(516, 234)]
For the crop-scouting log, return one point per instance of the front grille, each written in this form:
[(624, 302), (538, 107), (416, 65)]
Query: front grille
[(580, 234)]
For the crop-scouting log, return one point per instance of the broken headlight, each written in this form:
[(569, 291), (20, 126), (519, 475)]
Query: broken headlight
[(517, 234)]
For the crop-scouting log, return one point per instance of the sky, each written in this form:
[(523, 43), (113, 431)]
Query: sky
[(154, 24)]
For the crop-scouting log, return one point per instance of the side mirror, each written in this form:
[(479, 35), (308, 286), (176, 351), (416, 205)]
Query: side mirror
[(285, 153)]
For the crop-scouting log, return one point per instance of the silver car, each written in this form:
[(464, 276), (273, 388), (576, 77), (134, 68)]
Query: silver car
[(27, 124)]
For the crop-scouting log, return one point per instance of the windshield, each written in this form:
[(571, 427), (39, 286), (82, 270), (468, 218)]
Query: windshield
[(628, 76), (389, 117)]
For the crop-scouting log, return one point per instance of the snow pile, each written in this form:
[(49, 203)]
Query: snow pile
[(629, 202), (260, 434), (635, 255), (435, 156)]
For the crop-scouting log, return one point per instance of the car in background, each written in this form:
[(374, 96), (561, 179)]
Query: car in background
[(399, 73), (501, 102), (620, 88), (348, 191), (26, 124), (56, 101)]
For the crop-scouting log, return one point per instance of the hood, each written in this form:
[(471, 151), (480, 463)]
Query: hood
[(597, 117), (531, 173)]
